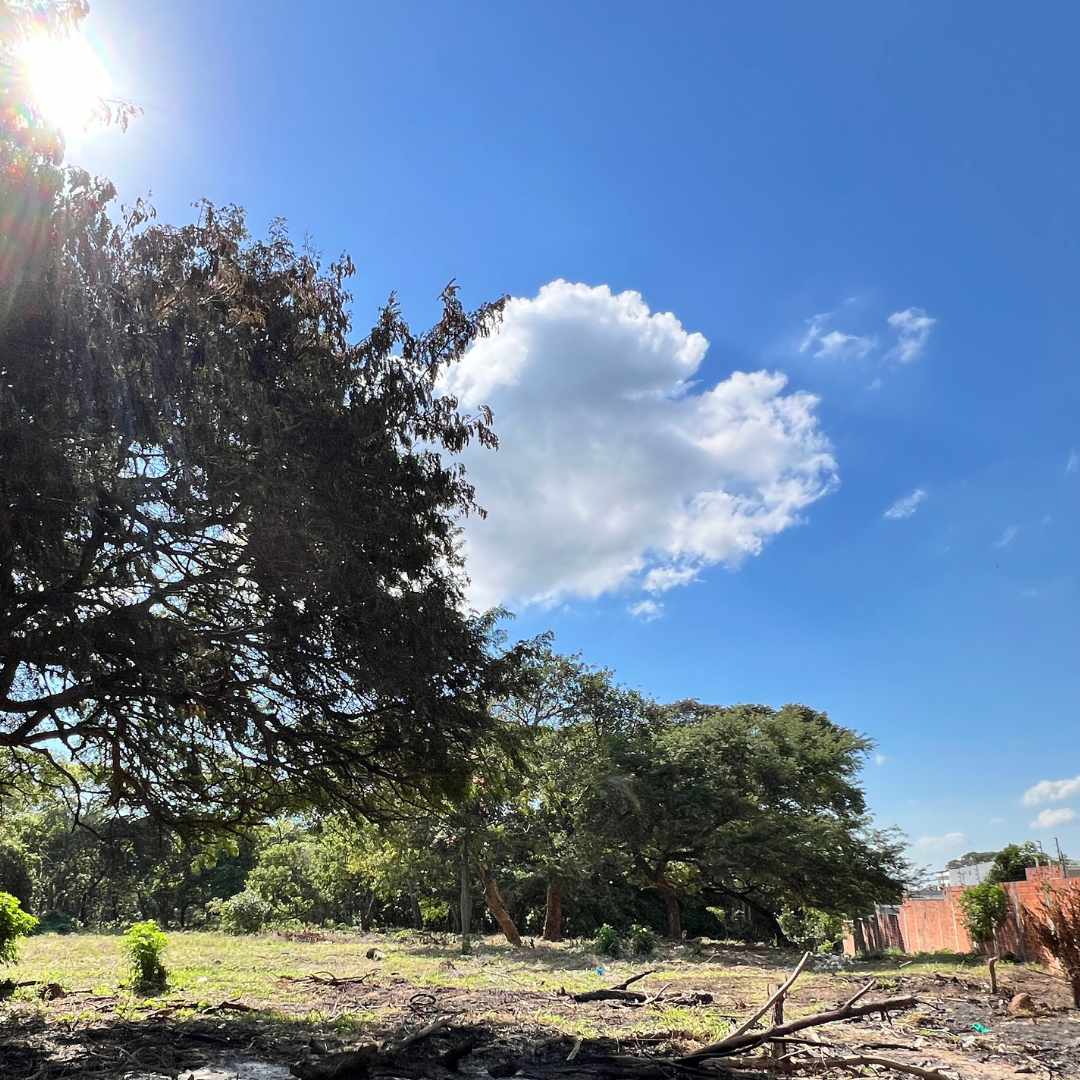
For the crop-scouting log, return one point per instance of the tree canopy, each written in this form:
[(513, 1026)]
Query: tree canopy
[(227, 523), (1012, 861)]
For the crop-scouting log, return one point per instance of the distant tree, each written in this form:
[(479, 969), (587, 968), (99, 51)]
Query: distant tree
[(971, 858), (567, 714), (229, 580), (1012, 861), (747, 803), (983, 909)]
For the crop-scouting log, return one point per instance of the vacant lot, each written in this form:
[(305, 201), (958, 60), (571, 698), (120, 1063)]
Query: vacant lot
[(279, 999)]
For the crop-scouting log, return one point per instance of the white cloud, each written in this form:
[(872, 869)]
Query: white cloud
[(1072, 463), (935, 843), (1007, 537), (880, 759), (906, 506), (913, 327), (614, 469), (1049, 819), (834, 344), (662, 578), (1051, 791), (646, 610)]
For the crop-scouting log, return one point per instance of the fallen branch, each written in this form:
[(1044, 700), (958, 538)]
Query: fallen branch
[(743, 1040), (633, 979), (618, 992), (860, 993), (425, 1032), (328, 978), (784, 987), (881, 1062), (611, 995)]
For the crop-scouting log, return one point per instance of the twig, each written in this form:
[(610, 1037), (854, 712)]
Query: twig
[(633, 979), (884, 1063), (860, 993)]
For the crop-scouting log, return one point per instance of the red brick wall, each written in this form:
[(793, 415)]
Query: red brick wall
[(936, 925)]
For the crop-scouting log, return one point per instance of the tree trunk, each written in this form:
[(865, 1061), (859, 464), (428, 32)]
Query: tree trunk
[(671, 906), (365, 913), (466, 897), (553, 911), (498, 909)]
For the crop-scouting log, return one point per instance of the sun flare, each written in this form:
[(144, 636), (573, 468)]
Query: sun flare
[(67, 80)]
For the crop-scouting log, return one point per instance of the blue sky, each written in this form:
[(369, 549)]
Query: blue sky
[(746, 168)]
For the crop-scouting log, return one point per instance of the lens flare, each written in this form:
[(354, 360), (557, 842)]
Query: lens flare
[(66, 79)]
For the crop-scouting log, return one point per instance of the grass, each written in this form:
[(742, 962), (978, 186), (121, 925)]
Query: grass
[(494, 983)]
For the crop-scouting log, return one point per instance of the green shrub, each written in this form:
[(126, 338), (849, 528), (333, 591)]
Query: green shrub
[(983, 909), (245, 913), (640, 940), (607, 941), (143, 944), (433, 912), (14, 924)]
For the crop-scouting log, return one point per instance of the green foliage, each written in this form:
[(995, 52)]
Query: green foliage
[(640, 940), (433, 912), (143, 943), (57, 922), (14, 924), (971, 858), (190, 422), (606, 941), (983, 909), (245, 913), (1011, 863), (811, 928)]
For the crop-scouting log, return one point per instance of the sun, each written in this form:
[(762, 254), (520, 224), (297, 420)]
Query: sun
[(66, 79)]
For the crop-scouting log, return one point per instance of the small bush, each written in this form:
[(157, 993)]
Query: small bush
[(245, 913), (640, 940), (983, 909), (14, 924), (143, 944), (607, 941)]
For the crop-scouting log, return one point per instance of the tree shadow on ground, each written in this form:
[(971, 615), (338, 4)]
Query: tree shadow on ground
[(275, 1049), (578, 956)]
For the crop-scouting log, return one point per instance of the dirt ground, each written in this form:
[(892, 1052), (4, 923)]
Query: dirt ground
[(234, 1004)]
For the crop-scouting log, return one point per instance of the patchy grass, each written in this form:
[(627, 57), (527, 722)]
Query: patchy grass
[(495, 983), (255, 996)]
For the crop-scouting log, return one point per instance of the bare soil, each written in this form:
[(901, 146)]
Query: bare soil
[(504, 1016)]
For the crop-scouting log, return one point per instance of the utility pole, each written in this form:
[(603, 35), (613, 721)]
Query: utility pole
[(1061, 858)]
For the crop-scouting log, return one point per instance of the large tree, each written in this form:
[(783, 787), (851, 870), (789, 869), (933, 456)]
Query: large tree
[(748, 803), (228, 573)]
